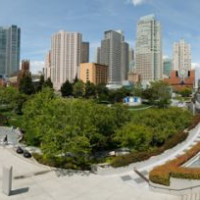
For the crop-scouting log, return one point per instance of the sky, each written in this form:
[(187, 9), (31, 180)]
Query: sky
[(39, 19)]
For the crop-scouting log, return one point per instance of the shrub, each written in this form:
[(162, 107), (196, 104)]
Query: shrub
[(161, 174)]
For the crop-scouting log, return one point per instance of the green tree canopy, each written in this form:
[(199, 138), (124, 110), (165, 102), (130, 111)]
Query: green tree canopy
[(26, 85), (66, 89)]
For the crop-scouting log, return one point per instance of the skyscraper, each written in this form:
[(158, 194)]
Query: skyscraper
[(97, 58), (167, 66), (181, 56), (114, 54), (148, 50), (65, 57), (47, 66), (9, 50), (85, 47)]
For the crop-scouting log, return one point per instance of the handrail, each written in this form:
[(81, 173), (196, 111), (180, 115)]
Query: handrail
[(141, 175)]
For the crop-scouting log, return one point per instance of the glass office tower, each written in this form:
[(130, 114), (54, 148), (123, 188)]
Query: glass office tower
[(9, 50)]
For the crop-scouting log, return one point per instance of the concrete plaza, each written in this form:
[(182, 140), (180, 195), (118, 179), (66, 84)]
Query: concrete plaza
[(32, 181)]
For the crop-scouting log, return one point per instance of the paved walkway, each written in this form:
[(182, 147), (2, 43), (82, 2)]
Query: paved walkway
[(33, 181)]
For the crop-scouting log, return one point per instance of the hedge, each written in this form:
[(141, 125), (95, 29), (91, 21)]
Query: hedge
[(124, 160), (161, 174)]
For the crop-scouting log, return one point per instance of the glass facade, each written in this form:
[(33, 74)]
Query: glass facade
[(9, 50), (167, 67)]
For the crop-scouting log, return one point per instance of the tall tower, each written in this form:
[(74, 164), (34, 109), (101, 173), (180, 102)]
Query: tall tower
[(85, 47), (112, 54), (9, 50), (181, 56), (148, 50), (65, 57)]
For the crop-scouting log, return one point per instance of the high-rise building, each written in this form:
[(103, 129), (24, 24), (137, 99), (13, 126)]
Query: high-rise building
[(167, 66), (124, 61), (97, 58), (65, 57), (47, 66), (130, 54), (25, 70), (85, 49), (181, 56), (93, 72), (112, 54), (148, 49), (9, 50)]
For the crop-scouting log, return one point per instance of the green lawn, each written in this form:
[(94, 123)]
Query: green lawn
[(140, 107)]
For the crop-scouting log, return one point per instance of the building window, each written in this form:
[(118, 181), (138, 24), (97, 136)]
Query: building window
[(87, 74)]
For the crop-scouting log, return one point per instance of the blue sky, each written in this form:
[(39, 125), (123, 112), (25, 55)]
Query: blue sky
[(39, 19)]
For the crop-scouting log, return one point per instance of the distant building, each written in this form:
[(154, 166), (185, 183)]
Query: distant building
[(130, 54), (148, 49), (179, 80), (134, 78), (114, 54), (47, 66), (167, 66), (9, 50), (25, 70), (65, 57), (181, 56), (97, 58), (85, 52), (95, 73)]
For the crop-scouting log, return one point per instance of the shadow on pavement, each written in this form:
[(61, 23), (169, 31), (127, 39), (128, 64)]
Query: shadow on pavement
[(19, 191), (68, 172)]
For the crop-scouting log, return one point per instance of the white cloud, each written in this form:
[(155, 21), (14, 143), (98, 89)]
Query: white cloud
[(36, 66), (165, 56), (195, 65), (136, 2)]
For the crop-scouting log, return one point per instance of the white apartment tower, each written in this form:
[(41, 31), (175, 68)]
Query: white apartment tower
[(114, 54), (181, 56), (65, 57), (148, 49)]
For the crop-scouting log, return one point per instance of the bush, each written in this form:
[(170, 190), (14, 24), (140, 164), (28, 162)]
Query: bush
[(161, 174)]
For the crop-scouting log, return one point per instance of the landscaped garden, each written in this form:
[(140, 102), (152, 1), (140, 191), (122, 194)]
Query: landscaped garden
[(71, 132)]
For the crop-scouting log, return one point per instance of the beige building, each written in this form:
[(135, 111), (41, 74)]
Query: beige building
[(65, 57), (95, 73), (181, 56), (148, 49)]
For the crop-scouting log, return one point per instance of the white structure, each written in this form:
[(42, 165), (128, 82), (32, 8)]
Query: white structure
[(65, 57), (148, 49), (114, 54), (133, 101), (181, 56)]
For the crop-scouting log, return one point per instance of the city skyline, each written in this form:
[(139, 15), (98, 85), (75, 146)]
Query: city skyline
[(38, 21)]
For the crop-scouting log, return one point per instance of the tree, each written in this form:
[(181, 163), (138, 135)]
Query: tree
[(48, 83), (102, 92), (186, 92), (26, 85), (90, 90), (79, 89), (66, 89), (40, 84), (159, 93)]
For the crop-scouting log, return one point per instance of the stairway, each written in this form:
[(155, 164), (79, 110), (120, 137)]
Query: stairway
[(194, 196)]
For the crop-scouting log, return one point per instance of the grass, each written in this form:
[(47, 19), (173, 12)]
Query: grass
[(143, 106)]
